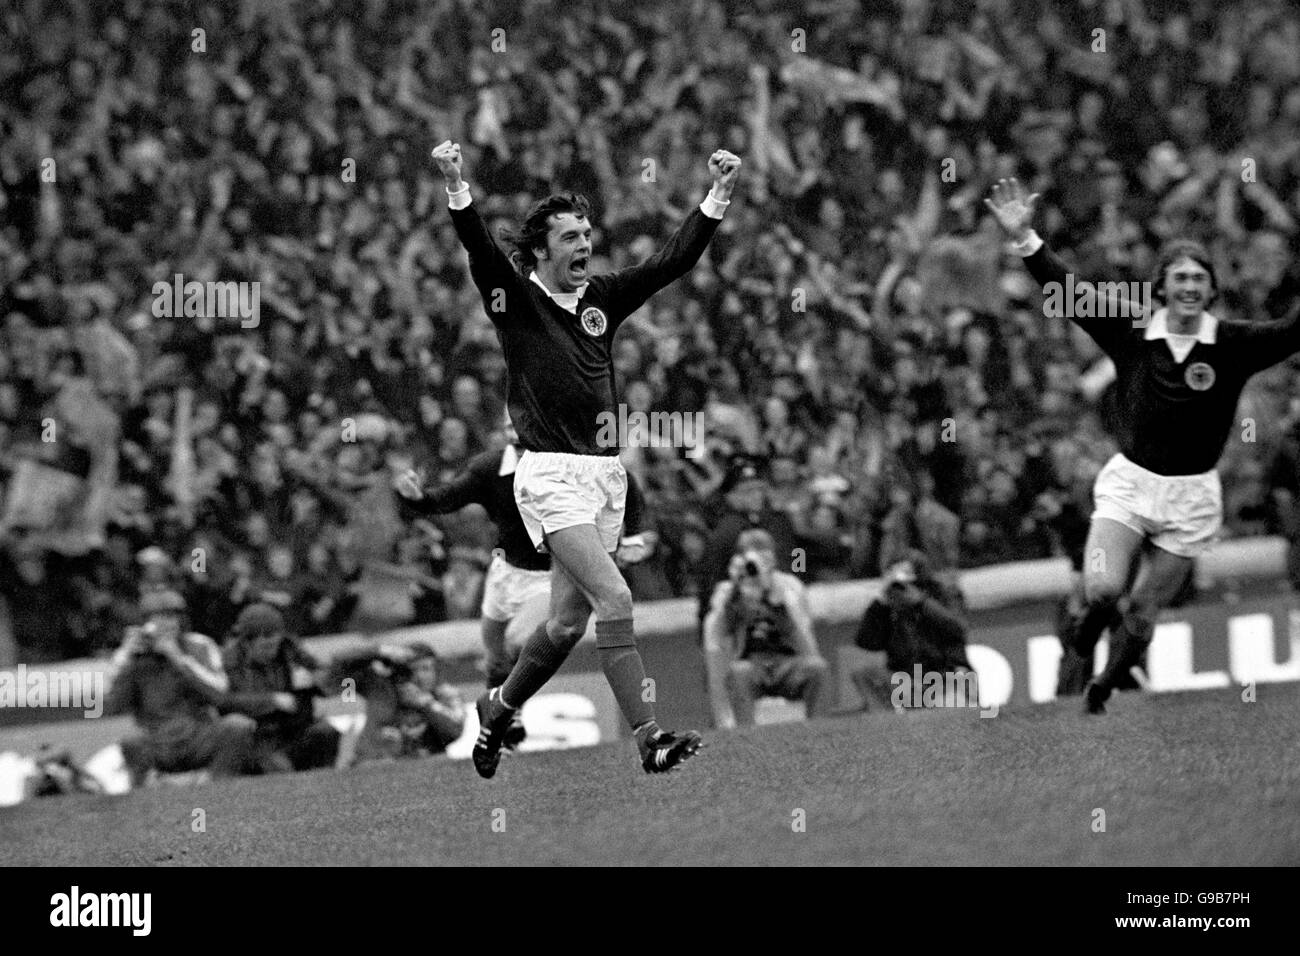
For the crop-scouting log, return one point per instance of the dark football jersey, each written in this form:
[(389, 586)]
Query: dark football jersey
[(559, 367), (1175, 417)]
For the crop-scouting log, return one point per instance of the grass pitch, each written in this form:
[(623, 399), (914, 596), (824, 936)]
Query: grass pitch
[(1187, 779)]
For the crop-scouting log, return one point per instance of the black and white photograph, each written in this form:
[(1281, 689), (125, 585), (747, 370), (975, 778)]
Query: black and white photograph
[(671, 434)]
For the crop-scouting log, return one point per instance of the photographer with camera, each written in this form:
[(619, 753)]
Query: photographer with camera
[(912, 622), (410, 712), (744, 505), (758, 636), (171, 681), (273, 681)]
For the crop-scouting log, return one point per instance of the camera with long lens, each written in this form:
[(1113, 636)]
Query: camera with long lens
[(899, 579), (749, 564), (146, 635), (749, 571)]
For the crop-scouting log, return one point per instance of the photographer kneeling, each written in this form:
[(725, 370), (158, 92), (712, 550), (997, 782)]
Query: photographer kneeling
[(758, 636), (410, 710), (171, 682), (273, 681), (912, 623)]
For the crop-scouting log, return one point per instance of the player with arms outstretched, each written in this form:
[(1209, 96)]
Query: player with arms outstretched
[(556, 323), (1179, 374)]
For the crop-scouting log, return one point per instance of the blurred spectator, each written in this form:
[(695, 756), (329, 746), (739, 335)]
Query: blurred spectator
[(171, 681), (826, 543), (685, 563), (462, 583), (274, 681), (938, 530), (758, 637), (639, 557), (37, 606)]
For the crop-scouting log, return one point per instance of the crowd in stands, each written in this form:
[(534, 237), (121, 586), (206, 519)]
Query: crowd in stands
[(857, 326)]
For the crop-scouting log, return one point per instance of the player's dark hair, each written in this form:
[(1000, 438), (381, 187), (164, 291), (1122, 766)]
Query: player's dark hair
[(532, 233), (1175, 250)]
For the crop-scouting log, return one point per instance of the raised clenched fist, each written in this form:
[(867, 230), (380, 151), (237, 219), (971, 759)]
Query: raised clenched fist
[(447, 155), (725, 167)]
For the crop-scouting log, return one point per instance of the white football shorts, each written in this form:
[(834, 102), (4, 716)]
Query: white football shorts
[(1178, 513), (555, 490), (509, 588)]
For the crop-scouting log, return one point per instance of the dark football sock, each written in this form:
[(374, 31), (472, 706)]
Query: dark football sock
[(624, 670), (501, 662), (538, 662), (1089, 625), (1128, 642)]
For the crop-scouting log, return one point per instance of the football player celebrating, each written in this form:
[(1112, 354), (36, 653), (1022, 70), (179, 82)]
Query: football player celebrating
[(1179, 373), (556, 322)]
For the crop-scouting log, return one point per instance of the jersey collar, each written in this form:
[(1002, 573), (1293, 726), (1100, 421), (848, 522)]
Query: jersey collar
[(568, 301), (1158, 327)]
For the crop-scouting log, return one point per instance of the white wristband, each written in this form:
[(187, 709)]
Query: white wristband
[(713, 207), (460, 198)]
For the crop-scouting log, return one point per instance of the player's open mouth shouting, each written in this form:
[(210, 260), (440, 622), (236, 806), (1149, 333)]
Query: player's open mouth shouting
[(578, 268), (575, 243)]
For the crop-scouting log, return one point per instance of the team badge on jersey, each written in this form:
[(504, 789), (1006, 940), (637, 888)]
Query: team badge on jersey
[(1199, 376), (593, 321)]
